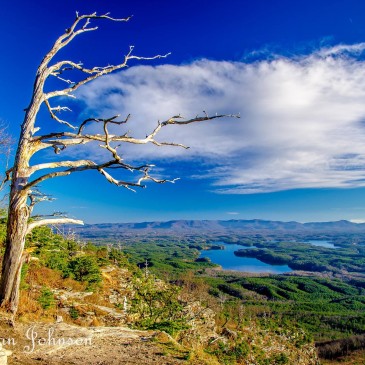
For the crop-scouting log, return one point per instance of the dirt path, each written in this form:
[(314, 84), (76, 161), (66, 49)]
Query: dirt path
[(63, 344)]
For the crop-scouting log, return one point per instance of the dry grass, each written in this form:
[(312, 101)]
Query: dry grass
[(42, 276), (71, 284), (31, 310), (37, 278), (28, 303)]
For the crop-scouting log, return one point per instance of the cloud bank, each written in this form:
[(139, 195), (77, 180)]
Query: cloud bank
[(302, 119)]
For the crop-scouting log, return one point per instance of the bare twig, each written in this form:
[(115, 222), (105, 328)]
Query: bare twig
[(55, 117), (6, 179)]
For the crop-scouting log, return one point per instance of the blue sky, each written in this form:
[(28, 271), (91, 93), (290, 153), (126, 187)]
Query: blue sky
[(295, 72)]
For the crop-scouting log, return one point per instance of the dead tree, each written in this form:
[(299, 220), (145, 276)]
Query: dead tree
[(24, 186)]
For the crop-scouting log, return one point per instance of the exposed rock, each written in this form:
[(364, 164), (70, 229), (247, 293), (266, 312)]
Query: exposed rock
[(202, 325), (4, 355)]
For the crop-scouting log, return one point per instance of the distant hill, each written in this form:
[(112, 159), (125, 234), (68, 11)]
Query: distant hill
[(217, 226)]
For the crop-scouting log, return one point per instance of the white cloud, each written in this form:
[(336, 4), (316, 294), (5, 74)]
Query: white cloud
[(302, 120), (358, 221)]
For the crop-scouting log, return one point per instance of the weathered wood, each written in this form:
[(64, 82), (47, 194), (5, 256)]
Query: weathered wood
[(13, 257)]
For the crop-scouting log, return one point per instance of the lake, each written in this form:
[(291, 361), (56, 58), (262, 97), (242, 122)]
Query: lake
[(229, 261), (321, 243)]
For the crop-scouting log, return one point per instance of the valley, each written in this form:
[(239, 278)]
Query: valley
[(308, 276), (277, 281)]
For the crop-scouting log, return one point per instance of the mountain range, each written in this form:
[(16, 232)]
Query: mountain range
[(217, 226)]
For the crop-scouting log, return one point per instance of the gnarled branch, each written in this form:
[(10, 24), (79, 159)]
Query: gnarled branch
[(65, 139), (95, 72), (73, 31), (83, 165)]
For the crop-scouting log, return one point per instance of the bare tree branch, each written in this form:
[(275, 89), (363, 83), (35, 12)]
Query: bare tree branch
[(104, 121), (6, 179), (54, 214), (55, 221), (68, 138), (145, 170), (83, 165), (95, 73), (73, 32), (54, 165), (54, 116), (35, 197)]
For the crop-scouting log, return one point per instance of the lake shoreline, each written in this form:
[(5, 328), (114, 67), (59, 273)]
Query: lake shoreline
[(229, 261)]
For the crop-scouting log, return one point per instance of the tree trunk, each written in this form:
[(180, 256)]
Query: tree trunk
[(13, 257), (17, 225), (18, 211)]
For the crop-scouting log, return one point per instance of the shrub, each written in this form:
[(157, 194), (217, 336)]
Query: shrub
[(58, 261), (229, 353), (46, 299), (157, 306), (241, 351), (280, 359), (74, 313), (171, 327), (85, 268)]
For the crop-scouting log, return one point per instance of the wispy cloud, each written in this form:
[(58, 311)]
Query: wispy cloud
[(302, 119), (341, 49)]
